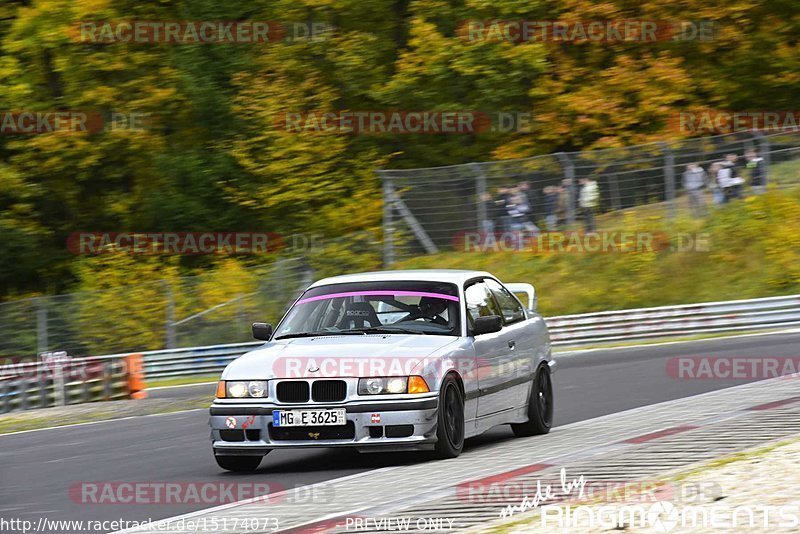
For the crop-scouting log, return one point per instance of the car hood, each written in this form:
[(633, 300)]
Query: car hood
[(338, 356)]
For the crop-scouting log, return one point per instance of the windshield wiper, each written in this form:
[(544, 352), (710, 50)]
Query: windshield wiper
[(316, 334), (385, 330)]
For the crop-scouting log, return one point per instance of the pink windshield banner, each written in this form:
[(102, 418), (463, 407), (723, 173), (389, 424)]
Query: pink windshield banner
[(380, 293)]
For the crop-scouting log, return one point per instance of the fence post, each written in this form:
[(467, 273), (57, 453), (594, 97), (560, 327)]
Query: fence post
[(669, 178), (764, 152), (388, 223), (43, 381), (569, 174), (108, 378), (41, 325), (480, 193), (170, 325), (613, 186)]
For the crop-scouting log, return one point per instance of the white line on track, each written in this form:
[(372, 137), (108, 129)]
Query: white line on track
[(100, 422), (158, 525)]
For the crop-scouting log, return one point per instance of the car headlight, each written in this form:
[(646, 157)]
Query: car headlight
[(241, 389), (392, 385)]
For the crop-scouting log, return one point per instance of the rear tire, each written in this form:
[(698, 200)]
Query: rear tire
[(450, 420), (540, 406), (238, 464)]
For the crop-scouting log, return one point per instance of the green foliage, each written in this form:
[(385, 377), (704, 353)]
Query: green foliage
[(754, 251), (212, 158)]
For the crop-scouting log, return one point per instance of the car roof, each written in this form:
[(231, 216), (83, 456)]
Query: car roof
[(454, 276)]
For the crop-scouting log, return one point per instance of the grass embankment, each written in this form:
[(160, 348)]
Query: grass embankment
[(753, 251)]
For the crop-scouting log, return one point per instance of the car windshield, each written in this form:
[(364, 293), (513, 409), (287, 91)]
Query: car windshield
[(374, 307)]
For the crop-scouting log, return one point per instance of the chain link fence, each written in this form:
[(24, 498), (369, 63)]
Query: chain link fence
[(425, 210), (191, 311)]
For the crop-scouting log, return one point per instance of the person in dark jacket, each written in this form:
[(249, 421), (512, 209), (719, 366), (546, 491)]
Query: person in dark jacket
[(758, 178), (551, 196)]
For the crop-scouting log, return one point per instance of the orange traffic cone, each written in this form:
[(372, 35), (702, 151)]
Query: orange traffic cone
[(136, 385)]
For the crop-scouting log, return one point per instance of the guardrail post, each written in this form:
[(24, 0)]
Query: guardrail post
[(569, 174), (108, 373), (85, 392), (23, 393), (388, 222), (669, 179), (59, 394), (43, 387), (5, 407)]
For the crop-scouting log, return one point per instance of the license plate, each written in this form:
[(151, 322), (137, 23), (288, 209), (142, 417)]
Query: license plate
[(336, 417)]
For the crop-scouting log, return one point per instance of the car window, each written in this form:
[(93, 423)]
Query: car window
[(480, 302), (511, 308), (410, 307)]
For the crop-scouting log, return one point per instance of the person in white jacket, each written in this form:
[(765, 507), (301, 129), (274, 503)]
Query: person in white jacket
[(589, 200), (694, 181)]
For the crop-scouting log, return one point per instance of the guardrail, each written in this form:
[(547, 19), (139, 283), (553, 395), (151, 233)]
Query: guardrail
[(565, 330), (671, 321), (107, 377), (42, 384)]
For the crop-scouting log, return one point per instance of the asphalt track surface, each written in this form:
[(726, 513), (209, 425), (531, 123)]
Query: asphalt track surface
[(38, 468)]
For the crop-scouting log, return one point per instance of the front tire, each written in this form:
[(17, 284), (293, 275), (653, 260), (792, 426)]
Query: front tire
[(238, 464), (450, 420), (540, 406)]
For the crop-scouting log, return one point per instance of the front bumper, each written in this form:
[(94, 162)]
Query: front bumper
[(246, 428)]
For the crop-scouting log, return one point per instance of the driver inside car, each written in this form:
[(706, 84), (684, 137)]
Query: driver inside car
[(430, 309)]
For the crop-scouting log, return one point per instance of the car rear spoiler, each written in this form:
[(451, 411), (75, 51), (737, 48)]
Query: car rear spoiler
[(528, 291)]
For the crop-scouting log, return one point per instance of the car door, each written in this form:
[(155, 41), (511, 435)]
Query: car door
[(517, 369), (491, 350)]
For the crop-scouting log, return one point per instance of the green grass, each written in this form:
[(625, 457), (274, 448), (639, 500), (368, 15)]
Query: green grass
[(754, 252), (182, 380), (96, 411)]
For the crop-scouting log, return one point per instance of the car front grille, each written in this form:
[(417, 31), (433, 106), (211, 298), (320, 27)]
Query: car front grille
[(312, 433), (329, 390), (292, 391)]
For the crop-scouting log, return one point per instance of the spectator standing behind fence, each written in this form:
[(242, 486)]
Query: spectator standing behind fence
[(589, 199), (694, 181), (736, 182), (552, 196), (714, 179), (520, 212), (756, 166)]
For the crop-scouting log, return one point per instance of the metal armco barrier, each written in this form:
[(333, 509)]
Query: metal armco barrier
[(671, 321), (108, 377), (30, 385), (565, 330)]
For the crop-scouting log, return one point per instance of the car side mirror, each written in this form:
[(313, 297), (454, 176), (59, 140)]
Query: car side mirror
[(487, 324), (262, 331)]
